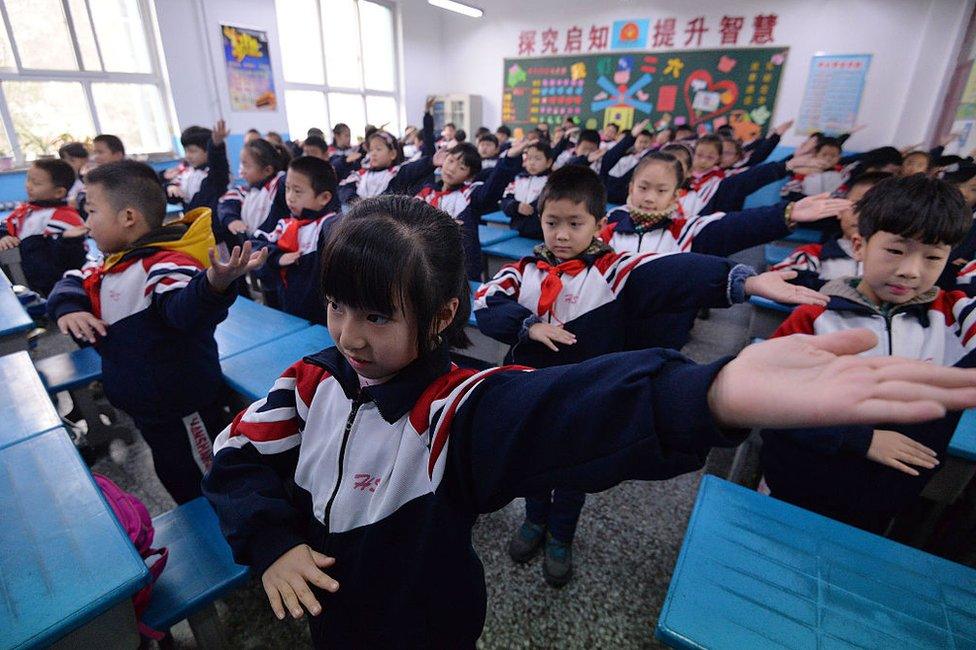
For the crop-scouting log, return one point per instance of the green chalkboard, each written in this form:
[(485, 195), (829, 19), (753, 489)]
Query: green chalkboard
[(702, 88)]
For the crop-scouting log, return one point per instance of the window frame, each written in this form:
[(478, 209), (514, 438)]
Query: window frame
[(363, 91), (85, 77)]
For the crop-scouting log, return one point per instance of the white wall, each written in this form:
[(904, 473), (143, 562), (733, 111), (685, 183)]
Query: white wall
[(914, 43)]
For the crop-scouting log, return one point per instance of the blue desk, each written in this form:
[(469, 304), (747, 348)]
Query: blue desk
[(963, 442), (14, 321), (805, 236), (474, 287), (775, 254), (252, 374), (64, 559), (250, 324), (497, 217), (25, 408), (766, 303), (512, 249), (755, 572), (488, 235)]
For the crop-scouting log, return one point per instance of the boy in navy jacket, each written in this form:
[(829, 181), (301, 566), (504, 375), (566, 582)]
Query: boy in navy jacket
[(204, 175), (573, 301), (48, 232), (150, 310), (865, 475), (296, 242)]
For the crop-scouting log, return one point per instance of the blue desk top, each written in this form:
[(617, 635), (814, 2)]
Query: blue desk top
[(64, 559), (775, 253), (755, 572), (25, 408), (474, 287), (963, 442), (252, 374), (766, 303), (497, 217), (13, 316), (250, 324), (488, 235), (512, 249)]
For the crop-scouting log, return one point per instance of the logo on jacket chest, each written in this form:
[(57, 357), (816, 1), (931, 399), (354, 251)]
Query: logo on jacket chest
[(366, 482)]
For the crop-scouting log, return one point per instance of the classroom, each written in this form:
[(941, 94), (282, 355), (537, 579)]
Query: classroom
[(470, 324)]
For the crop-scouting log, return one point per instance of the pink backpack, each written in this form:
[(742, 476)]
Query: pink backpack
[(137, 524)]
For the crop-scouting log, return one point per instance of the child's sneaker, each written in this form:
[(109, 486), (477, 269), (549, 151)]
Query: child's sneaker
[(526, 541), (557, 567)]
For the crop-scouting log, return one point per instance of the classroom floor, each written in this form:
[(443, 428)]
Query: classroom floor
[(626, 546)]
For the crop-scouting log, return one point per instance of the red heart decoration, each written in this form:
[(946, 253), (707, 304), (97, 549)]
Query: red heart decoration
[(719, 87)]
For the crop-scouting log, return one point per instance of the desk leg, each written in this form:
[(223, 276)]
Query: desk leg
[(11, 261), (15, 343), (115, 628), (944, 488), (207, 629)]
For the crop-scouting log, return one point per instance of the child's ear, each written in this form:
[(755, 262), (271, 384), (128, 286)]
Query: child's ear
[(325, 197), (446, 314), (601, 223), (60, 193), (857, 247)]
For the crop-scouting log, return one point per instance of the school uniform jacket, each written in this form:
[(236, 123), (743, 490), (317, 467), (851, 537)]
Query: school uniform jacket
[(596, 303), (389, 479), (44, 254), (716, 234), (467, 203), (827, 466), (204, 186), (159, 357), (816, 264), (406, 178), (525, 188), (259, 206), (298, 283)]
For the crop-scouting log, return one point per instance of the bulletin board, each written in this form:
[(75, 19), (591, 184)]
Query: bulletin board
[(704, 89)]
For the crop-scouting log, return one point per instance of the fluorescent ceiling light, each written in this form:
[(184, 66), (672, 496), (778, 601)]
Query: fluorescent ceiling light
[(457, 7)]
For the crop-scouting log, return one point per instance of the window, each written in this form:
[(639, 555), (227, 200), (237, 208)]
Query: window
[(70, 69), (339, 63)]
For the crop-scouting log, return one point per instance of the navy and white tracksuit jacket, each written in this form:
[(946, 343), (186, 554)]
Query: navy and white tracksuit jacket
[(159, 357), (825, 469), (44, 254), (389, 479), (717, 234), (468, 202), (817, 264), (599, 299), (259, 206), (203, 187), (405, 178), (298, 283), (525, 188)]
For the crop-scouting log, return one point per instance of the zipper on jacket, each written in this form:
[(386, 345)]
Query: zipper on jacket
[(891, 345), (356, 403)]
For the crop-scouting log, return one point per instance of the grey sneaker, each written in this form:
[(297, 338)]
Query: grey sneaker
[(557, 567), (526, 541)]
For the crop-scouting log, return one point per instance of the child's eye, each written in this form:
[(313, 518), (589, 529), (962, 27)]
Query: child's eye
[(893, 251), (378, 319), (333, 305)]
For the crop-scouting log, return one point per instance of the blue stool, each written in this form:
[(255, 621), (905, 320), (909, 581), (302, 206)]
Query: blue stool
[(755, 572), (775, 253), (200, 570), (512, 249)]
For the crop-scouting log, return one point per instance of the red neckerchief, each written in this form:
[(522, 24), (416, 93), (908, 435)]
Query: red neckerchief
[(552, 284)]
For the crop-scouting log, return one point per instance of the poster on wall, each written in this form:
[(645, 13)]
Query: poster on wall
[(964, 140), (703, 89), (250, 80), (833, 94)]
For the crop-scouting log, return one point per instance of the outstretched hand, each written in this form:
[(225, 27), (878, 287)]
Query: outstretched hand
[(241, 262), (804, 380), (774, 286), (818, 206)]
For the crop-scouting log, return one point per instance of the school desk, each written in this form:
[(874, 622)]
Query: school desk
[(250, 324), (253, 372), (755, 572), (67, 570), (514, 248), (488, 235), (25, 408), (498, 217), (14, 320)]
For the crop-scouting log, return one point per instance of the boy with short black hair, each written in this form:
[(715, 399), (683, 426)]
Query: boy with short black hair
[(504, 135), (519, 199), (204, 175), (865, 475), (573, 299), (49, 233), (489, 151), (315, 145), (150, 309), (107, 148), (311, 192), (76, 155)]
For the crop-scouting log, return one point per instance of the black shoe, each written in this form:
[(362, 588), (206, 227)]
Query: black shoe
[(526, 542), (557, 567)]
